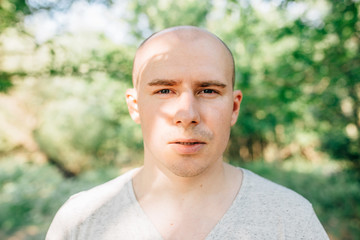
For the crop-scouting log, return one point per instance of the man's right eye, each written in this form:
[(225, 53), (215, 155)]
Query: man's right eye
[(164, 91)]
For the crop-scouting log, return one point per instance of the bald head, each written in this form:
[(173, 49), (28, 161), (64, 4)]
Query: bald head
[(160, 45)]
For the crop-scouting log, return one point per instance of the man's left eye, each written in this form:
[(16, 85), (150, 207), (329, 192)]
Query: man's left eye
[(164, 91), (208, 91)]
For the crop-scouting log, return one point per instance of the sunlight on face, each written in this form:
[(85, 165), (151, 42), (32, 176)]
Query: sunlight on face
[(185, 101)]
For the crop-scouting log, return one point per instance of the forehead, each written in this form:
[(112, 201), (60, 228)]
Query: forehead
[(177, 54)]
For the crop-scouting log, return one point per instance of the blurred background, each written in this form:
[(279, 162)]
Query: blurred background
[(64, 126)]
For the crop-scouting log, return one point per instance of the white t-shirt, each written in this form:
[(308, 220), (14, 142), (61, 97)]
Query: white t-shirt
[(261, 210)]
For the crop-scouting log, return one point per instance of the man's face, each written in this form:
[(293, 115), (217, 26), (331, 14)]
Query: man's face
[(186, 104)]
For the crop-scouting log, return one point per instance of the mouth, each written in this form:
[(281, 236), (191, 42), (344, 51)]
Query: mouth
[(187, 146), (188, 143)]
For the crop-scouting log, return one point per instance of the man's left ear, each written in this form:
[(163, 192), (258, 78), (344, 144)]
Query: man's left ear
[(131, 100), (237, 97)]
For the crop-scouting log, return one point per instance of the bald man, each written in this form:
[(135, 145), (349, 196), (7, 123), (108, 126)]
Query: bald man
[(185, 102)]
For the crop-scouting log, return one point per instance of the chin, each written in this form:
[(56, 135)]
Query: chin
[(187, 171)]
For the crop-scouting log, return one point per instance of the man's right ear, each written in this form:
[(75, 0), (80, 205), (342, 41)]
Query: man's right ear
[(131, 100)]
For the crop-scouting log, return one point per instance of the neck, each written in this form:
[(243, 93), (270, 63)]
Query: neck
[(162, 182)]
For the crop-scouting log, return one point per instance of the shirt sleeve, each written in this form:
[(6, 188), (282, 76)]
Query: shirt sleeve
[(64, 220), (313, 229), (57, 230)]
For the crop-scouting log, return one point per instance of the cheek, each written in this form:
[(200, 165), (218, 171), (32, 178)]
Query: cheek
[(153, 120), (157, 113), (218, 121), (220, 114)]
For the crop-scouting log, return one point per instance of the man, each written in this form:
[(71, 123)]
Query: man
[(184, 100)]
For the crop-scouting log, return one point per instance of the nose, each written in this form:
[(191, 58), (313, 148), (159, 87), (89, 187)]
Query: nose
[(187, 113)]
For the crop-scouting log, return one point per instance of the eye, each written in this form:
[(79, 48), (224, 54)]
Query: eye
[(209, 91), (164, 91)]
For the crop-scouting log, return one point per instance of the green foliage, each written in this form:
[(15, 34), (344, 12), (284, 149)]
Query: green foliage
[(299, 77), (24, 191), (31, 194), (173, 13), (5, 82), (85, 122), (11, 12), (299, 73)]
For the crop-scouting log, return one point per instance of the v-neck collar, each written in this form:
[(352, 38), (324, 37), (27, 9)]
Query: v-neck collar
[(215, 229)]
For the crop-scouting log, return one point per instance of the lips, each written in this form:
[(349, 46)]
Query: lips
[(188, 143), (187, 146)]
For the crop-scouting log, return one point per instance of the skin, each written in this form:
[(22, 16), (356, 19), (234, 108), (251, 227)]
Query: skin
[(183, 98)]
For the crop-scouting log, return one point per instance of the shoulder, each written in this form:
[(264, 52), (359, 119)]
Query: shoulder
[(79, 207), (274, 197), (103, 191), (270, 204), (266, 210), (95, 197)]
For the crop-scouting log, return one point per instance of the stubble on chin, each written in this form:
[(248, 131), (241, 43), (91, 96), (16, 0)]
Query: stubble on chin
[(187, 172)]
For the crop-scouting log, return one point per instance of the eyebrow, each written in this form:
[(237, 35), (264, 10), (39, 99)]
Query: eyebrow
[(170, 82), (211, 83), (163, 82)]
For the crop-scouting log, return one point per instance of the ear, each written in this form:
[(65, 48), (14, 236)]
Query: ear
[(237, 97), (131, 100)]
